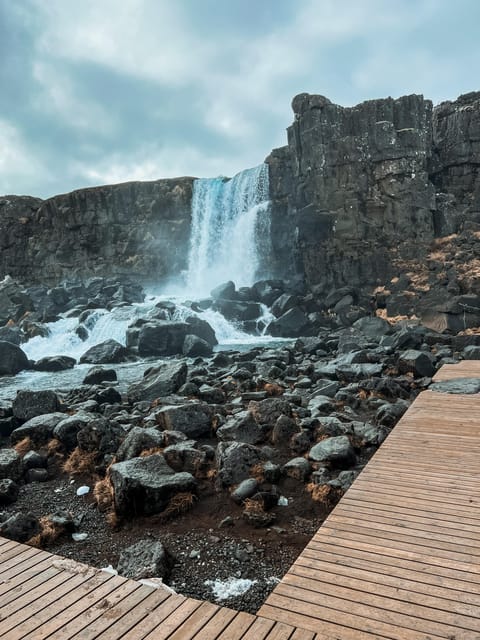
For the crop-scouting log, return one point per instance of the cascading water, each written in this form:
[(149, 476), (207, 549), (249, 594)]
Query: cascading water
[(230, 230)]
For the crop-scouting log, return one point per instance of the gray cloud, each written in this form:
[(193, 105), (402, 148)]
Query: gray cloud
[(101, 91)]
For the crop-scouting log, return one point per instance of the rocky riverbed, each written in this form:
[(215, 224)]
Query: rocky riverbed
[(214, 469)]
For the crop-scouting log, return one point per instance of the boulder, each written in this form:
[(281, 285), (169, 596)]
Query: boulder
[(267, 412), (235, 460), (107, 352), (201, 329), (194, 347), (54, 363), (242, 427), (389, 414), (420, 363), (144, 486), (139, 439), (8, 491), (185, 456), (38, 429), (28, 404), (158, 382), (67, 429), (194, 419), (292, 324), (298, 469), (337, 451), (19, 527), (283, 431), (372, 327), (12, 359), (246, 489), (100, 436), (10, 464), (162, 338), (97, 375), (225, 291), (145, 559)]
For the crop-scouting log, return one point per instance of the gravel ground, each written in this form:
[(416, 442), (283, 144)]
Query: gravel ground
[(204, 551)]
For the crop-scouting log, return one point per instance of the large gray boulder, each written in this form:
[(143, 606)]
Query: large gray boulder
[(144, 486), (235, 461), (107, 352), (336, 451), (420, 363), (159, 381), (28, 404), (242, 427), (162, 338), (39, 429), (12, 359), (10, 464), (194, 419), (137, 440), (145, 559)]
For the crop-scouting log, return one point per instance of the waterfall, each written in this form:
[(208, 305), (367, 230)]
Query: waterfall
[(230, 230)]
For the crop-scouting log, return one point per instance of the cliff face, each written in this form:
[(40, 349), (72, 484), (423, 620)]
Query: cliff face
[(359, 190), (357, 193), (138, 228)]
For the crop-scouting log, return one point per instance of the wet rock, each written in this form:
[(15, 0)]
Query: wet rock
[(108, 395), (145, 559), (472, 352), (8, 491), (66, 431), (107, 352), (225, 291), (202, 329), (211, 395), (38, 429), (372, 327), (194, 347), (242, 427), (97, 375), (369, 434), (20, 527), (145, 485), (139, 439), (12, 359), (194, 419), (235, 460), (54, 363), (185, 456), (336, 451), (160, 381), (100, 436), (28, 404)]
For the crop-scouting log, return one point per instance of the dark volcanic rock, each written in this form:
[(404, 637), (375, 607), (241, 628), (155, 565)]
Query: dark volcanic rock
[(108, 352), (235, 460), (145, 485), (54, 363), (159, 381), (28, 404), (12, 359), (337, 451), (39, 429), (20, 527), (96, 375), (145, 559), (194, 420)]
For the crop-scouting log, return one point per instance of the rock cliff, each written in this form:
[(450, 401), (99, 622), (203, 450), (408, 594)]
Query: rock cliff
[(359, 191), (137, 228)]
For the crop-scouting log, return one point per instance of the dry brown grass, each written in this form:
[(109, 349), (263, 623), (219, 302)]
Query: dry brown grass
[(54, 447), (257, 472), (113, 519), (253, 506), (178, 504), (23, 446), (49, 532), (150, 452), (323, 493), (80, 462), (103, 494)]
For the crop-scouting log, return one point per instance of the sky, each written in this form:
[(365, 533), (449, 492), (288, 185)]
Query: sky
[(103, 91)]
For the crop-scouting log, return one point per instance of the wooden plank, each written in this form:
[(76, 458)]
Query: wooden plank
[(238, 627), (171, 623), (152, 611), (370, 593), (370, 571), (280, 631), (13, 589), (195, 622), (222, 619), (121, 618), (154, 619), (259, 630)]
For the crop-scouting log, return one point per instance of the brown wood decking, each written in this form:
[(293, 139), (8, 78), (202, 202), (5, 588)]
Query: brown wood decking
[(399, 557)]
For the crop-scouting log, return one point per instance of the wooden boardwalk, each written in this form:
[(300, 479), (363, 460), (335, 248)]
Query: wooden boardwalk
[(399, 557)]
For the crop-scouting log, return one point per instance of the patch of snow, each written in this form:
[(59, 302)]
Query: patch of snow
[(110, 569), (224, 589)]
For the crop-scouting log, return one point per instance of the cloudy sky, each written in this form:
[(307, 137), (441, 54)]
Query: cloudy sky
[(101, 91)]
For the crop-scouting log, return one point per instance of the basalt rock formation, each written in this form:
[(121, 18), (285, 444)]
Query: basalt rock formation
[(358, 191), (357, 195), (136, 228)]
